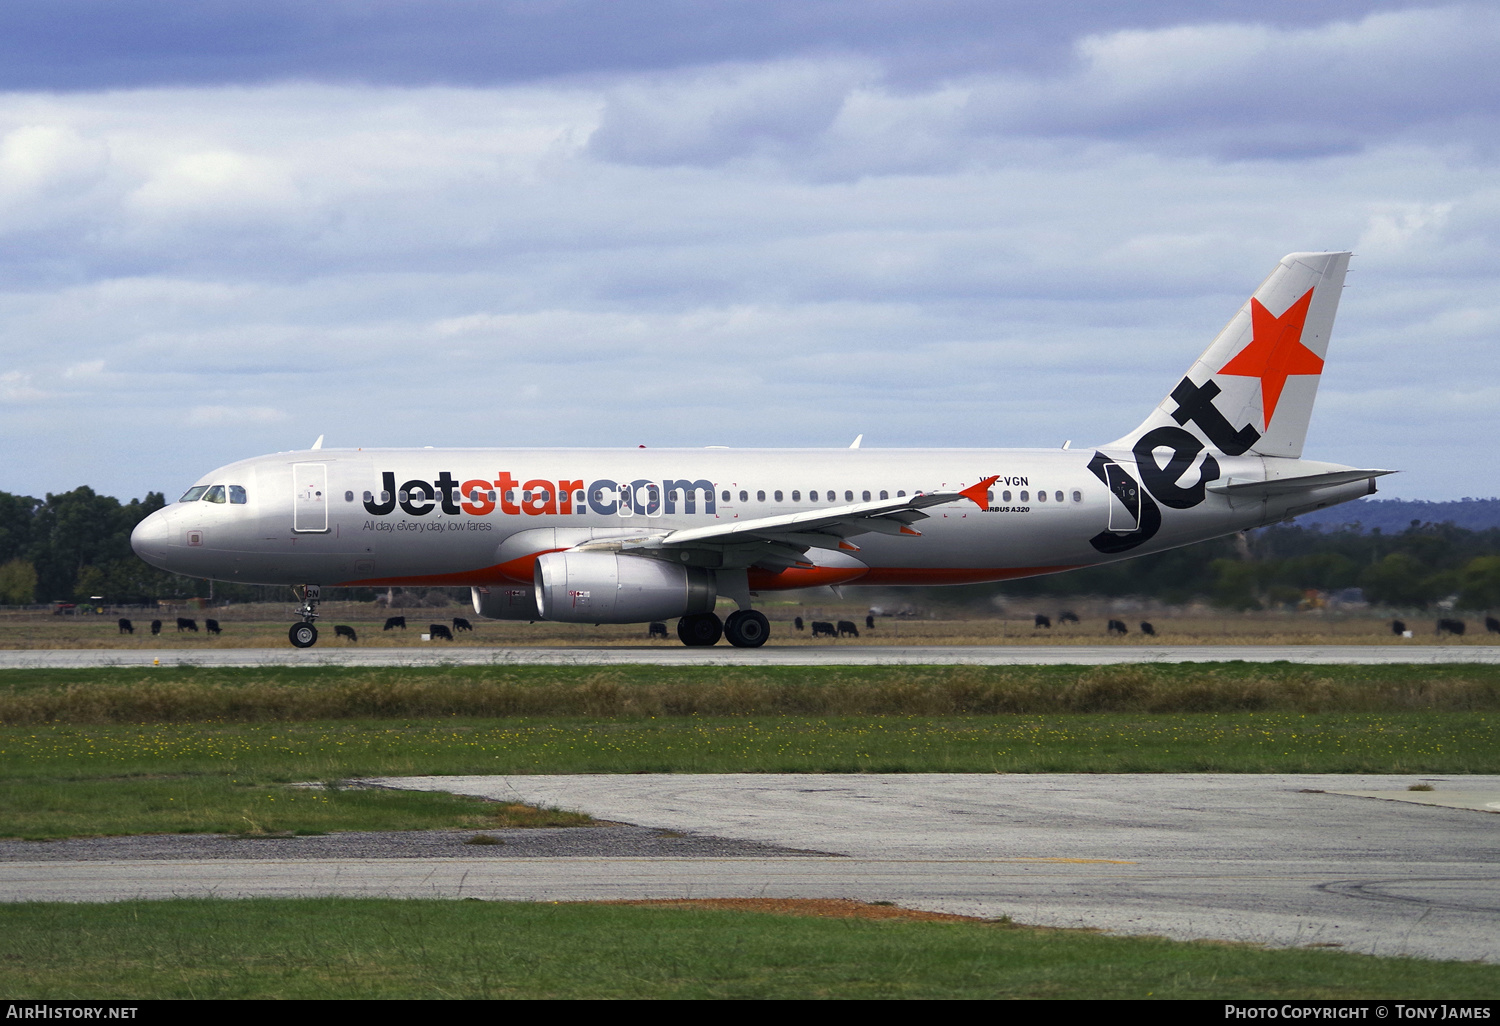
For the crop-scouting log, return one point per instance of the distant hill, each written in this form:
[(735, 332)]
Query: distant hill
[(1392, 516)]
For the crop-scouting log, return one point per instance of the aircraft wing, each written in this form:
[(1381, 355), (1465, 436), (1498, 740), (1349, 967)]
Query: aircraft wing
[(781, 541)]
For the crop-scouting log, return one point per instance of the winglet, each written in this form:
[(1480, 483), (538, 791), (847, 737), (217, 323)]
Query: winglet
[(980, 493)]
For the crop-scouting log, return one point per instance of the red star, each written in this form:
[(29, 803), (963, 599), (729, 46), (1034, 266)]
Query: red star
[(1275, 352)]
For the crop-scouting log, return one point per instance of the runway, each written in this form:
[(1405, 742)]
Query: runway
[(833, 655), (1355, 862)]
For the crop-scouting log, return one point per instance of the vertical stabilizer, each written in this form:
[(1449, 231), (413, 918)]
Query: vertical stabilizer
[(1252, 390)]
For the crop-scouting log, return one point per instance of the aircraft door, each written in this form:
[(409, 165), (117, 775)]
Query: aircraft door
[(309, 497), (1125, 499)]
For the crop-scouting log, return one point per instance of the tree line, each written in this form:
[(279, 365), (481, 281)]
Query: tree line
[(75, 545)]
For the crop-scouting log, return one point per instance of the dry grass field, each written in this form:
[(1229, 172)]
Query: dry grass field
[(265, 626)]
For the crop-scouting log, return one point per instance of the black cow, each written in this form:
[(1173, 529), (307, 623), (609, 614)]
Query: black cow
[(822, 627), (1398, 627), (460, 624), (657, 629), (870, 622), (184, 624), (1147, 629), (847, 629), (212, 626), (126, 627), (440, 630), (797, 623), (155, 627), (1067, 616), (394, 621), (1492, 625), (340, 631), (1446, 626), (1042, 621), (1118, 627)]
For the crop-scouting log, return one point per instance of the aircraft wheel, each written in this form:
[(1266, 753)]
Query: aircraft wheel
[(303, 635), (746, 628), (700, 629)]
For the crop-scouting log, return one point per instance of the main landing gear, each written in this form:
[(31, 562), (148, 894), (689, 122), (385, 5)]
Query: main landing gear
[(745, 628), (305, 634)]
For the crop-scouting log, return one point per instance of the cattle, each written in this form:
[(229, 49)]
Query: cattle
[(460, 624), (184, 624), (1398, 627), (340, 631), (1492, 625), (440, 630), (657, 629), (797, 623), (1040, 621), (847, 629), (1118, 627), (870, 622), (1066, 616), (394, 621), (1147, 629), (212, 626), (126, 627), (1446, 626), (155, 627), (823, 627)]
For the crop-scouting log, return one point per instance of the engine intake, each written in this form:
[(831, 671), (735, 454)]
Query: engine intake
[(607, 587)]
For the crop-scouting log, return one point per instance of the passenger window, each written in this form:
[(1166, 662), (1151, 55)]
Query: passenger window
[(990, 496), (385, 497), (812, 496), (577, 499), (849, 496), (724, 496), (1005, 495), (348, 496), (1024, 497), (1058, 496), (1040, 496), (744, 496), (401, 495), (369, 497), (833, 498), (760, 496), (796, 496), (883, 494), (900, 495), (1077, 496), (193, 494), (777, 494), (237, 495), (215, 494)]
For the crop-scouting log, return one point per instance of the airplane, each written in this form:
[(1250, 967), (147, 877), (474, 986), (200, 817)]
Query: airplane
[(636, 535)]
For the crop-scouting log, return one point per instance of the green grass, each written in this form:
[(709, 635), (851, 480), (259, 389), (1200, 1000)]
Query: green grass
[(365, 948), (65, 780)]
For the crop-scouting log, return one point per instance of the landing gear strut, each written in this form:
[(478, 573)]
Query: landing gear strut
[(304, 634), (747, 628), (698, 629)]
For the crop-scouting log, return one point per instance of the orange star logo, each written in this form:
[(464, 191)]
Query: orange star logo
[(1275, 352)]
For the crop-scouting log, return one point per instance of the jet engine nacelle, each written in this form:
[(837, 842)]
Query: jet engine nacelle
[(505, 602), (607, 587)]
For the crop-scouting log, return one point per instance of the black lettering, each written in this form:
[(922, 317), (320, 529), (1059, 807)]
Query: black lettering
[(447, 490), (1161, 481), (1196, 404), (388, 489), (411, 503), (599, 501), (1125, 488)]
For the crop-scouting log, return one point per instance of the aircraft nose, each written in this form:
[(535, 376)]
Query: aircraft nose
[(149, 539)]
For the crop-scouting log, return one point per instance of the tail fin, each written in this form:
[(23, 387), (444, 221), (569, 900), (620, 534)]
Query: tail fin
[(1252, 390)]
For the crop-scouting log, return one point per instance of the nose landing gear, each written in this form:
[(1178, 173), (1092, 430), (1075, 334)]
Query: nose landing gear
[(305, 634)]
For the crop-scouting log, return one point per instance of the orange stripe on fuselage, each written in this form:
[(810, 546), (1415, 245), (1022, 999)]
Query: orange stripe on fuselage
[(513, 571)]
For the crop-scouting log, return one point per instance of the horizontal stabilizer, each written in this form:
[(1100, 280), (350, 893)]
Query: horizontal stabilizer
[(1293, 485)]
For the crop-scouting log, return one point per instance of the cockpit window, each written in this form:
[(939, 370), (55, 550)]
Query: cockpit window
[(194, 493), (237, 494), (214, 494)]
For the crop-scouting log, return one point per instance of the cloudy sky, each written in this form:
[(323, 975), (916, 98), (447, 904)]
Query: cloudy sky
[(227, 228)]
